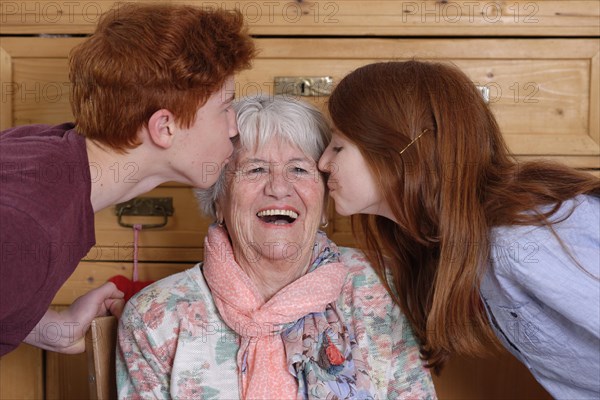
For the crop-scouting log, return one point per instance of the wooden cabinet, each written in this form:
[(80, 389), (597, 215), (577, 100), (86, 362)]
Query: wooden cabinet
[(544, 92), (391, 18), (539, 59)]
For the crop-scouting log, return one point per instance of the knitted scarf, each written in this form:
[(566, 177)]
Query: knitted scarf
[(275, 358)]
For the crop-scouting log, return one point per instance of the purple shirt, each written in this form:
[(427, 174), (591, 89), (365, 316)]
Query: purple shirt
[(46, 223)]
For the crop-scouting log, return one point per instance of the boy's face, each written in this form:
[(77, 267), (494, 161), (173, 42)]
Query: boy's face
[(204, 148)]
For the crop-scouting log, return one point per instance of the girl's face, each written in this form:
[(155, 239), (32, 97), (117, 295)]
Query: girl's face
[(351, 182)]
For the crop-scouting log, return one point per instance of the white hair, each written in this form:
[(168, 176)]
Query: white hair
[(261, 119)]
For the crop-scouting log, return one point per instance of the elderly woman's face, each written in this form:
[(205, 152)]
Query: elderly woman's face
[(274, 203)]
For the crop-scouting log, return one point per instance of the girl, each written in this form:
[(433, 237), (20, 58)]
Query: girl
[(478, 248)]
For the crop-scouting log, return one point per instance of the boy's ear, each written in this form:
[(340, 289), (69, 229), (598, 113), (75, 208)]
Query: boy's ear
[(161, 128)]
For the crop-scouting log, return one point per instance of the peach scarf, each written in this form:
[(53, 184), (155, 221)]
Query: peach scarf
[(261, 358)]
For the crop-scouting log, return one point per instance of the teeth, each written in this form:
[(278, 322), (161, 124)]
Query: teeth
[(268, 213)]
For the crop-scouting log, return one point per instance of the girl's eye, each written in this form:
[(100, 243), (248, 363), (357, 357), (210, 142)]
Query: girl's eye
[(337, 149)]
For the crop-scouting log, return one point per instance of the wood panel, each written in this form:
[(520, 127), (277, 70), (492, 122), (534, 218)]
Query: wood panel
[(182, 239), (340, 17), (66, 376), (543, 91), (496, 377), (6, 112), (21, 374), (41, 98), (542, 106)]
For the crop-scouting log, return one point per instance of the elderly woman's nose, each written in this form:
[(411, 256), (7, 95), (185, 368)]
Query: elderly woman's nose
[(279, 185)]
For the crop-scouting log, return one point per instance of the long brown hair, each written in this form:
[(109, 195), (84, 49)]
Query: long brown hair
[(446, 190)]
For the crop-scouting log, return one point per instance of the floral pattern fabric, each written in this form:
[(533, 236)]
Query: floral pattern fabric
[(174, 343), (273, 332)]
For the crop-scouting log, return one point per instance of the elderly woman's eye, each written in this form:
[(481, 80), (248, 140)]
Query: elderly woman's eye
[(256, 170), (299, 170)]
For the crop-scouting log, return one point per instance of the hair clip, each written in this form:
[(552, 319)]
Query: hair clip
[(414, 140)]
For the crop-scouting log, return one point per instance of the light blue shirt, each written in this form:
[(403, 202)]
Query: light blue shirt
[(544, 307)]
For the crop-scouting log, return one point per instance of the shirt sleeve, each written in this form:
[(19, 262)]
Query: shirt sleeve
[(141, 373)]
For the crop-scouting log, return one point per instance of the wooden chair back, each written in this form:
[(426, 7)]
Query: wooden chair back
[(101, 345)]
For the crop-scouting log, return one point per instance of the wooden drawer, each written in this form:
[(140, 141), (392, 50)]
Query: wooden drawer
[(341, 17), (544, 92), (180, 240)]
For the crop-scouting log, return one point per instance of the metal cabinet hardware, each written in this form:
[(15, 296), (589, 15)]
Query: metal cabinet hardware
[(485, 92), (315, 86), (307, 86), (146, 206)]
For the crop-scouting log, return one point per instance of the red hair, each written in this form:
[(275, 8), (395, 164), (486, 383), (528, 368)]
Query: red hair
[(446, 190), (146, 57)]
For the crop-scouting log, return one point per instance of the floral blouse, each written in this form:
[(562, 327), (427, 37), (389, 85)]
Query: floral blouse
[(173, 343)]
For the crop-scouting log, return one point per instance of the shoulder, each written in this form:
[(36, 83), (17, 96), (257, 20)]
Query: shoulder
[(362, 277), (46, 167), (574, 234), (382, 332), (579, 219), (364, 293), (547, 264), (168, 296), (581, 213), (29, 135), (43, 151), (360, 271), (22, 131)]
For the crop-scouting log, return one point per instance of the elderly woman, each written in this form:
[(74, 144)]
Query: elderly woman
[(276, 311)]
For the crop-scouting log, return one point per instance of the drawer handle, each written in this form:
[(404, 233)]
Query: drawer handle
[(145, 206), (306, 86)]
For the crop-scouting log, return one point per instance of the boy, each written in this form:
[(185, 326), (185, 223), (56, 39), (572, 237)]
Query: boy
[(151, 95)]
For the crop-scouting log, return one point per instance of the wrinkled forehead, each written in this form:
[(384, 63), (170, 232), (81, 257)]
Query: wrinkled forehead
[(276, 149)]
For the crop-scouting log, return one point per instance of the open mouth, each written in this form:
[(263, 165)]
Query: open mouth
[(277, 217)]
